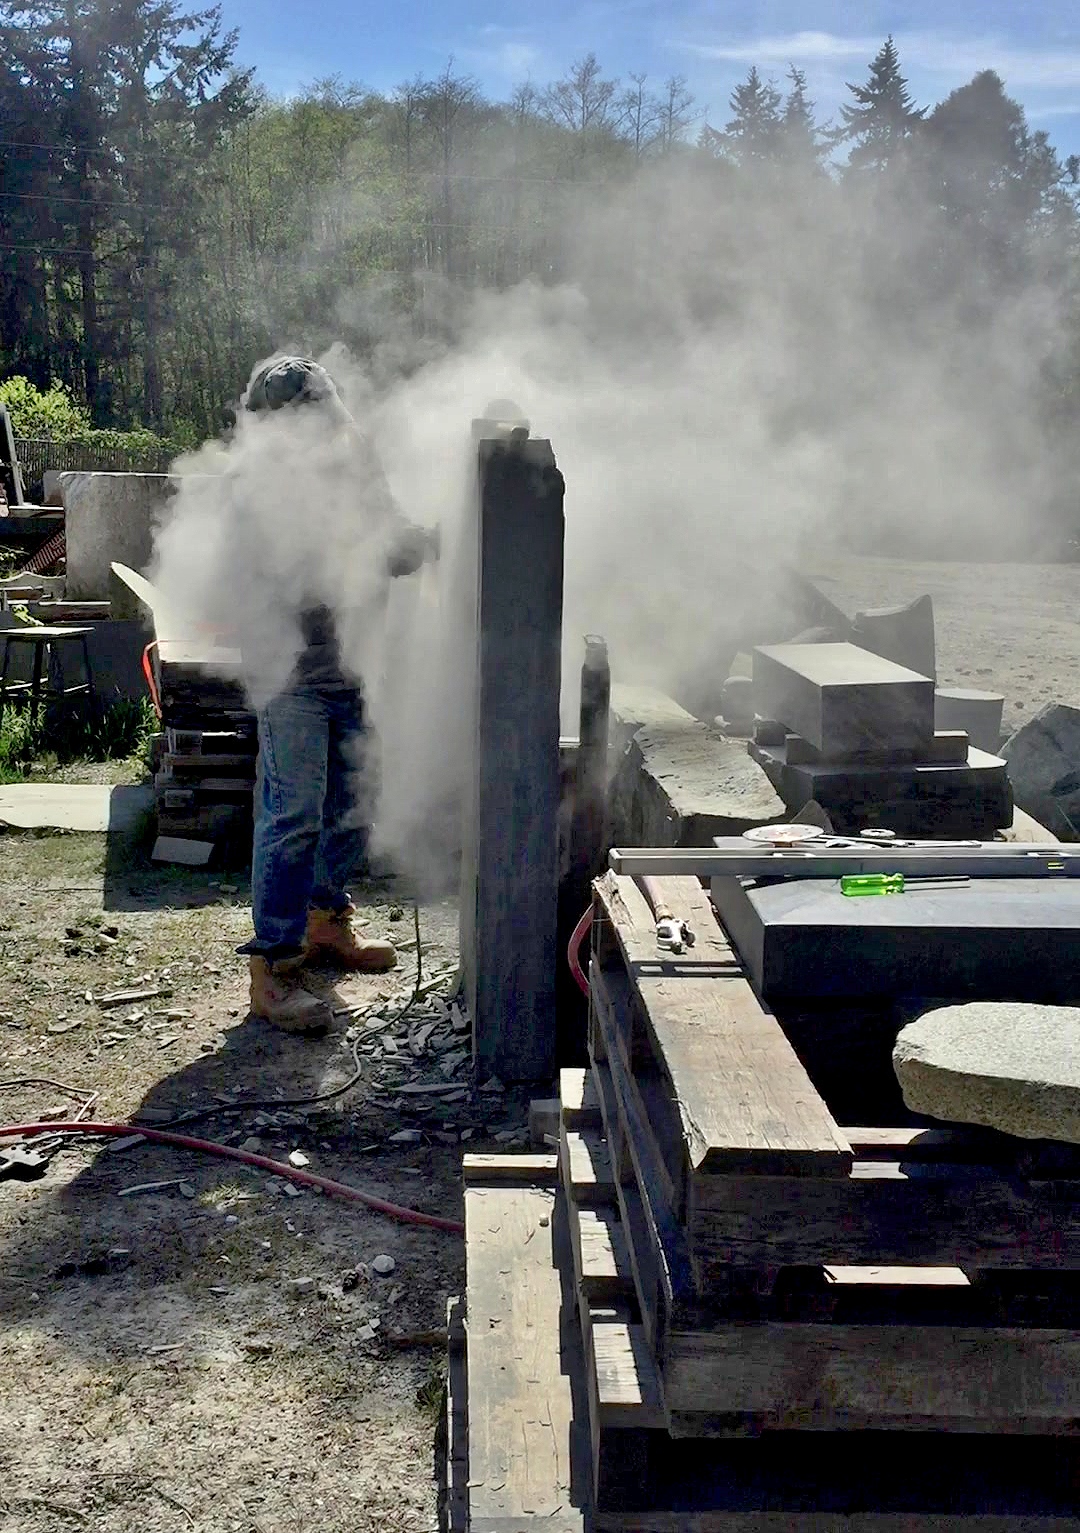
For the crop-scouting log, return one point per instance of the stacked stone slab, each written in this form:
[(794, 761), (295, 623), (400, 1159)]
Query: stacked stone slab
[(1010, 1067), (860, 740)]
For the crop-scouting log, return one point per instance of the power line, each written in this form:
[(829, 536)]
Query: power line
[(93, 202)]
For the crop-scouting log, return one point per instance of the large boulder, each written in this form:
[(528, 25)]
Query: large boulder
[(1044, 768), (1004, 1065)]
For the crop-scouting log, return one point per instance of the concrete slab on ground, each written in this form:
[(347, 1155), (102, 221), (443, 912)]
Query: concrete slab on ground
[(74, 806)]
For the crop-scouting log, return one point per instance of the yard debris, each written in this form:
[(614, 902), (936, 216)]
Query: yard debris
[(298, 1158), (22, 1161), (56, 1028), (128, 1143), (299, 1287), (130, 1192), (406, 1136), (129, 997), (383, 1265), (252, 1145)]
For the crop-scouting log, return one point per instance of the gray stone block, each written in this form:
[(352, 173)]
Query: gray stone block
[(903, 634), (510, 870), (843, 700), (107, 517), (978, 713), (972, 800), (682, 783), (1015, 1068), (1044, 767), (995, 938)]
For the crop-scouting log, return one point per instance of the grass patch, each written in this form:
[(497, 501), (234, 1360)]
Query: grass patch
[(116, 732)]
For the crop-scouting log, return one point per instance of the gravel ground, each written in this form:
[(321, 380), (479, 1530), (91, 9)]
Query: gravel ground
[(218, 1356)]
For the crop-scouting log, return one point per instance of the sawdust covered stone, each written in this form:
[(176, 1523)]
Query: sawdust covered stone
[(1003, 1065)]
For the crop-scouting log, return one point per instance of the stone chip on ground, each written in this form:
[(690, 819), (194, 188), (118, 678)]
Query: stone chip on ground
[(1004, 1065)]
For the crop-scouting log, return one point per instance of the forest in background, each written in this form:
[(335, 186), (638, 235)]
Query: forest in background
[(166, 221)]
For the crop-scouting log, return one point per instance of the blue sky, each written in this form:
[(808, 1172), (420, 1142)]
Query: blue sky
[(1034, 44)]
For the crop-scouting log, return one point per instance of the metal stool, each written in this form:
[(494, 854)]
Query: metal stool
[(47, 644)]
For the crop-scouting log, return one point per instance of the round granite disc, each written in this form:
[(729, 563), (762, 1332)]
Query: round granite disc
[(1001, 1064)]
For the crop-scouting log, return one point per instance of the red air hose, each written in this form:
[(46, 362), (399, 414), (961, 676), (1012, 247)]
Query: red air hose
[(148, 672), (226, 1151), (573, 952)]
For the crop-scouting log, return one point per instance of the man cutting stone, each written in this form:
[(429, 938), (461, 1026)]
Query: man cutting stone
[(315, 762)]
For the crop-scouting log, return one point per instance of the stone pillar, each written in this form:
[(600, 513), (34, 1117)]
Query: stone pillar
[(510, 862), (109, 517)]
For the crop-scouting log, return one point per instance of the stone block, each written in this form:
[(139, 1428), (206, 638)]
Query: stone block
[(947, 748), (969, 800), (903, 634), (992, 938), (1043, 761), (682, 783), (978, 713), (109, 517), (1005, 1066), (845, 701)]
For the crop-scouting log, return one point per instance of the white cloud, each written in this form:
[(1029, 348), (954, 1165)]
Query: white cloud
[(502, 52), (936, 53), (797, 47)]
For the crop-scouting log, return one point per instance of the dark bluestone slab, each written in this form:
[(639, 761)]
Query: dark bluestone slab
[(510, 871), (844, 700), (969, 801), (994, 939)]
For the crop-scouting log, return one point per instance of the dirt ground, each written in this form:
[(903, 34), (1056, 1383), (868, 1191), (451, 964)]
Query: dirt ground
[(159, 1372), (1010, 628)]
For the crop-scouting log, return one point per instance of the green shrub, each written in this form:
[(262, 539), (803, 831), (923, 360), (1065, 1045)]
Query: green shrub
[(54, 415), (120, 730), (43, 413)]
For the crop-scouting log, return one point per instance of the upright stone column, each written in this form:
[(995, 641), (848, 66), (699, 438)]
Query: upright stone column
[(510, 864)]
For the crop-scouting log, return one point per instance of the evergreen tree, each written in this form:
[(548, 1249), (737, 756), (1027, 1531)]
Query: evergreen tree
[(805, 144), (884, 116), (754, 133)]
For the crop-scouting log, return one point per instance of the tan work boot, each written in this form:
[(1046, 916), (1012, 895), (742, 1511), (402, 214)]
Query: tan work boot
[(331, 939), (278, 997)]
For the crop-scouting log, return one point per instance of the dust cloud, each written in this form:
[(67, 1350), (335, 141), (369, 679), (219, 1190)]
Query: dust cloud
[(734, 372)]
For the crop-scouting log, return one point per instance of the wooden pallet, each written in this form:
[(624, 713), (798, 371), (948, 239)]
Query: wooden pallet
[(545, 1433), (793, 1274)]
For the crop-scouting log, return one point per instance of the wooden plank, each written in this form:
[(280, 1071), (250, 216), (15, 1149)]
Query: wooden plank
[(520, 1403), (800, 1521), (587, 1169), (745, 1100), (601, 1257), (530, 1170), (967, 1216), (627, 1389), (973, 1146), (655, 1109), (580, 1105), (455, 1492), (653, 1294), (663, 1265), (805, 1376)]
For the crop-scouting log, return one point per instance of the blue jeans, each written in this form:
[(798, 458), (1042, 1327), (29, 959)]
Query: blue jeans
[(312, 795)]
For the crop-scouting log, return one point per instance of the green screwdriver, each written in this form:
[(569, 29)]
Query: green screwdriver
[(893, 883)]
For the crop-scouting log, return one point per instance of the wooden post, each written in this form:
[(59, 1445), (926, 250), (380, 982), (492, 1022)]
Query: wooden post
[(510, 862)]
